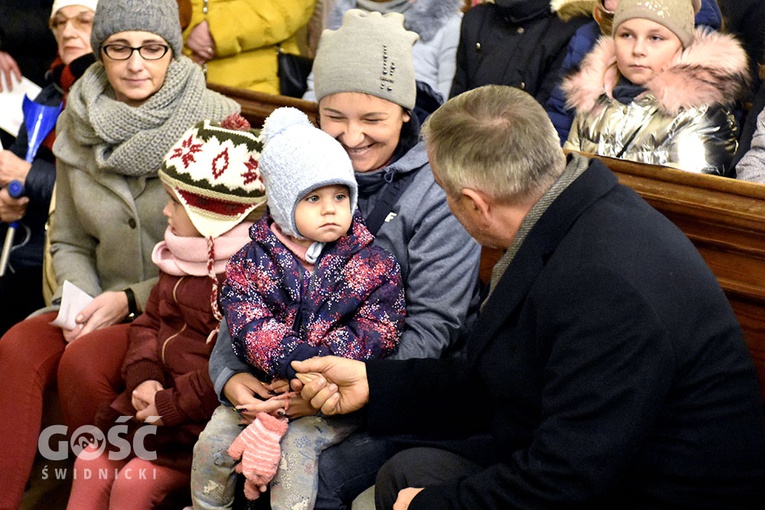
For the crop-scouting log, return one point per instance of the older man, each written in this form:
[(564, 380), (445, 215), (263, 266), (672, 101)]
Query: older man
[(607, 369)]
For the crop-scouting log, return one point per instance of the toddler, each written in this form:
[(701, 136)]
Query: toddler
[(310, 283), (215, 190)]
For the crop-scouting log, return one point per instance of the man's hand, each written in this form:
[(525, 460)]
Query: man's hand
[(250, 396), (405, 497), (334, 385), (8, 69)]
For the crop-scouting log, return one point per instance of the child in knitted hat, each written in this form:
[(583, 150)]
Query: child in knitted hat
[(658, 90), (215, 191), (311, 283)]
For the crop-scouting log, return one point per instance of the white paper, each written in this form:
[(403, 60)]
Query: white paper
[(73, 300), (11, 114)]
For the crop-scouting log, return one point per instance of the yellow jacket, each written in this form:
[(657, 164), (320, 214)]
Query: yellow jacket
[(246, 34)]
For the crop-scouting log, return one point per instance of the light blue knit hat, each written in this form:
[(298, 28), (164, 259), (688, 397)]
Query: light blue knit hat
[(298, 158)]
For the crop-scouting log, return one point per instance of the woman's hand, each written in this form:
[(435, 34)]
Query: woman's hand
[(201, 43), (12, 209), (107, 309), (12, 168), (250, 396)]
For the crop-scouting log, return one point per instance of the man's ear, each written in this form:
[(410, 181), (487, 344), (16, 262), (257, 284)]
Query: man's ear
[(478, 203)]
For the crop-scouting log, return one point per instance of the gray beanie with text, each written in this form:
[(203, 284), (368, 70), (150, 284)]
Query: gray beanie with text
[(370, 53), (159, 17)]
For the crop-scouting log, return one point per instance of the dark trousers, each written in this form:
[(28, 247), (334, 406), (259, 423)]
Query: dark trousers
[(419, 468)]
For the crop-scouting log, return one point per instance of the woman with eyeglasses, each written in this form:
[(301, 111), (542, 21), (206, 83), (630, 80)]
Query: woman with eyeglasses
[(21, 284), (120, 120)]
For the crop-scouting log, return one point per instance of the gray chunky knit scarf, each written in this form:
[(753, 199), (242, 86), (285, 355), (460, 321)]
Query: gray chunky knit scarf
[(130, 140), (576, 166)]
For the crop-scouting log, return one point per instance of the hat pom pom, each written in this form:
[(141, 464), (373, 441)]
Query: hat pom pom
[(235, 122), (281, 119)]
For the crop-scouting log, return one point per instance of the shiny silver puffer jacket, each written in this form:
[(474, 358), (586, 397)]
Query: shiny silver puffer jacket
[(682, 120)]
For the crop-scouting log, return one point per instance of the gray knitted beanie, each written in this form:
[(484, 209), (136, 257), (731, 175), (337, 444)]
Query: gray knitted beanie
[(676, 15), (159, 17), (298, 158), (370, 53)]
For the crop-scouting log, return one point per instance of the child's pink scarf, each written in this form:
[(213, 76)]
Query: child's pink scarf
[(187, 256)]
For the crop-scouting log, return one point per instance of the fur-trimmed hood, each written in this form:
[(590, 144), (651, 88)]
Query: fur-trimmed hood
[(568, 9), (425, 17), (712, 70)]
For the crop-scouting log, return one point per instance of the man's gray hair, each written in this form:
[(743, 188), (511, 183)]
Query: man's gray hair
[(495, 139)]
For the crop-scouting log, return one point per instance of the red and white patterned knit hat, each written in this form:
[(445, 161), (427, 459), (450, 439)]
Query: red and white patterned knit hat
[(214, 170)]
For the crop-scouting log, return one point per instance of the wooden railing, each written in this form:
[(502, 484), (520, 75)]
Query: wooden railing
[(256, 106), (724, 218)]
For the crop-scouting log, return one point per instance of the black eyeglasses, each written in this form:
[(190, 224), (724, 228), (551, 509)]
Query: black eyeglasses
[(124, 52)]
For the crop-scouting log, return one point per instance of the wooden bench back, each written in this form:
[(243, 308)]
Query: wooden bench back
[(724, 218)]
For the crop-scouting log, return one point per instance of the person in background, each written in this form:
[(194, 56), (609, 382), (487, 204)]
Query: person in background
[(584, 40), (659, 90), (406, 211), (21, 285), (236, 41), (436, 22), (520, 43), (750, 160), (591, 379), (26, 46), (745, 19), (165, 380), (121, 117)]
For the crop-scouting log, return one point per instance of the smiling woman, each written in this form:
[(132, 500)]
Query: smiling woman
[(121, 118)]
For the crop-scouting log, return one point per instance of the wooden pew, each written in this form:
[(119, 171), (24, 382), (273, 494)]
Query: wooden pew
[(256, 106), (724, 218)]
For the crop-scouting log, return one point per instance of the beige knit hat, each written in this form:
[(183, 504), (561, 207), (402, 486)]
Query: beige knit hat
[(214, 171), (370, 53), (676, 15)]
